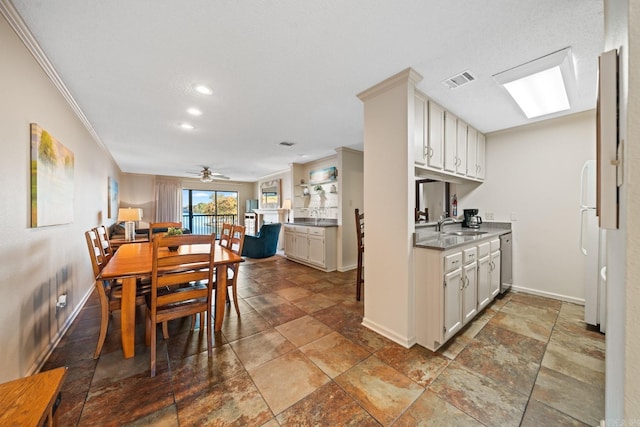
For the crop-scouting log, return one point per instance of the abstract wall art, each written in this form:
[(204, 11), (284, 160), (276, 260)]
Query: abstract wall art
[(52, 186)]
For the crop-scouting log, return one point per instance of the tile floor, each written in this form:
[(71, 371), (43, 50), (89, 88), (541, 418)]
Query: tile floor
[(298, 355)]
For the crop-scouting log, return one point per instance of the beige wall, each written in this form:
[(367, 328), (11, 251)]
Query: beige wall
[(38, 264), (533, 173)]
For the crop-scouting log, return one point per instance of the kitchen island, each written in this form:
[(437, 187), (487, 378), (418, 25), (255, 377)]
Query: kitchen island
[(457, 274)]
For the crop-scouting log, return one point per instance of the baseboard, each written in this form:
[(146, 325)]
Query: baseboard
[(347, 268), (387, 333), (37, 366), (552, 295)]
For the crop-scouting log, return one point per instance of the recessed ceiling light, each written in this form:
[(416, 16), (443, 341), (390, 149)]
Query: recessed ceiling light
[(205, 90), (187, 126), (302, 155), (287, 143), (194, 111), (542, 86)]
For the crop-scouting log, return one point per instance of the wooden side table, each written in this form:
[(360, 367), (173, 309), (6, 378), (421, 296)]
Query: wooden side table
[(29, 401)]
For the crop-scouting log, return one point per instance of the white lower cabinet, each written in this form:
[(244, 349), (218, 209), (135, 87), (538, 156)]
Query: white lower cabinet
[(494, 264), (312, 246), (452, 291), (451, 288), (484, 275)]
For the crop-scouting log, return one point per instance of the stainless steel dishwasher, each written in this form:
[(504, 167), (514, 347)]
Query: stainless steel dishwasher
[(506, 268)]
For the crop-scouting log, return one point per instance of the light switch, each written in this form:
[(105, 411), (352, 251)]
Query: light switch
[(514, 216)]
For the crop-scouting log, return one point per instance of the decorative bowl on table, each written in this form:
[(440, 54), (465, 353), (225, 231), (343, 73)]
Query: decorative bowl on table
[(173, 231)]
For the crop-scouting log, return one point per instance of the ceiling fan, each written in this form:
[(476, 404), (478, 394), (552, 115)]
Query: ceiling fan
[(206, 175)]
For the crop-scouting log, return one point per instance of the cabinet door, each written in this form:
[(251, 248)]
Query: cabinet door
[(289, 244), (495, 273), (436, 136), (484, 282), (420, 129), (450, 142), (469, 295), (316, 250), (452, 309), (480, 156), (472, 147), (302, 246), (461, 148)]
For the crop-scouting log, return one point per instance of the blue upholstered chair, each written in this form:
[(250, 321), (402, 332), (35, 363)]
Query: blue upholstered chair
[(264, 244)]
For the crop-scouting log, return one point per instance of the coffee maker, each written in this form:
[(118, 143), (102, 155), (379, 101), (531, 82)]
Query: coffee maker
[(471, 218)]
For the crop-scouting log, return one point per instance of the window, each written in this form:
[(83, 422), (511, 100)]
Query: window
[(204, 211)]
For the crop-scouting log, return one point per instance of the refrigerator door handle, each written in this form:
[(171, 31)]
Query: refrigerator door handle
[(583, 210), (583, 178)]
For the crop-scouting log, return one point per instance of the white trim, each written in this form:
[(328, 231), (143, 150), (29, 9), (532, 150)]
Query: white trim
[(387, 333), (37, 366), (551, 295), (14, 19)]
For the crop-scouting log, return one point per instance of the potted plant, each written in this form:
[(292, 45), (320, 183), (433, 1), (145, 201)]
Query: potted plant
[(173, 231)]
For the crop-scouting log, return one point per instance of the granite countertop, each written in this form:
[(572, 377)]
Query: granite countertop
[(311, 222), (428, 238)]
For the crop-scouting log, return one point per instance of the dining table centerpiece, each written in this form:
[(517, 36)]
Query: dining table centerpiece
[(174, 231)]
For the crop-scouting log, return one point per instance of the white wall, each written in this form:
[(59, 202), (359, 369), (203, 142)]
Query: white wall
[(533, 172), (631, 206), (351, 177), (38, 264)]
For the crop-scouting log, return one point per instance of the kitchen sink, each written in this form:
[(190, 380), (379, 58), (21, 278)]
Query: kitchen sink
[(466, 233)]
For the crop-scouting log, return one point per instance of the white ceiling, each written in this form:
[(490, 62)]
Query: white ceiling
[(289, 70)]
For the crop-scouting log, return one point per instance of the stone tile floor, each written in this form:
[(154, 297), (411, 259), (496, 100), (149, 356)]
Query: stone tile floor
[(298, 355)]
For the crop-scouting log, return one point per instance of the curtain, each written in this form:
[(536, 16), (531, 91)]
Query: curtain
[(168, 201)]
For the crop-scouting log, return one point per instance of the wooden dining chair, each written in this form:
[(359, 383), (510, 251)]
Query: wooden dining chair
[(225, 234), (109, 292), (104, 243), (236, 242), (160, 226), (360, 234), (169, 298)]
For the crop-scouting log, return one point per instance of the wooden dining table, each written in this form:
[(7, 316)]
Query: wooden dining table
[(134, 260)]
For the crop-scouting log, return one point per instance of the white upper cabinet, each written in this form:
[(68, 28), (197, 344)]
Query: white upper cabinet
[(445, 144), (461, 147), (451, 157), (435, 148), (420, 129), (480, 156), (472, 147)]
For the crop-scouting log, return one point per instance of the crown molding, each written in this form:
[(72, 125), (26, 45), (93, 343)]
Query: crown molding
[(10, 13)]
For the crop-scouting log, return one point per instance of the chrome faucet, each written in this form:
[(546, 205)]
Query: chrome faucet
[(316, 213), (445, 220)]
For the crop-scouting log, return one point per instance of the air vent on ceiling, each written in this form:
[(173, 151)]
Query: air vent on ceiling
[(287, 144), (459, 80)]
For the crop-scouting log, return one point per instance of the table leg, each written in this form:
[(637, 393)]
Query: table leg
[(221, 295), (128, 317)]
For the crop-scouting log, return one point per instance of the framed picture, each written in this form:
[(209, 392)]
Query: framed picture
[(323, 175), (112, 202), (52, 190)]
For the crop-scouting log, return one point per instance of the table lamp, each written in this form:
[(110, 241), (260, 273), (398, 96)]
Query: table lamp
[(129, 215), (286, 204)]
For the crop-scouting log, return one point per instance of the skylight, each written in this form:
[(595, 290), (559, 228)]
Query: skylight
[(542, 86)]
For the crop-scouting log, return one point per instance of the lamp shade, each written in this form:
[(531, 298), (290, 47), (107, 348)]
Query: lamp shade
[(286, 204), (129, 214)]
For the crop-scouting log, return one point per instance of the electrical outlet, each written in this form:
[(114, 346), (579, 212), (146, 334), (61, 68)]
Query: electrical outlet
[(489, 216), (514, 216)]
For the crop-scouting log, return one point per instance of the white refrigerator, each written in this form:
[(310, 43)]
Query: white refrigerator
[(592, 246)]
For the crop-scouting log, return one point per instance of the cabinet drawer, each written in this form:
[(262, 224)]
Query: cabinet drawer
[(316, 231), (470, 255), (453, 261), (483, 249), (300, 229), (495, 245)]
